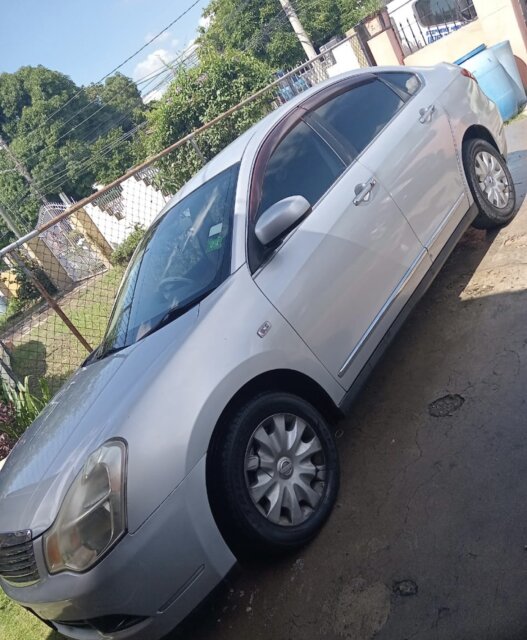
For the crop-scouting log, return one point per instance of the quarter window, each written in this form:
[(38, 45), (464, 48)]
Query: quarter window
[(302, 164), (408, 83), (360, 114)]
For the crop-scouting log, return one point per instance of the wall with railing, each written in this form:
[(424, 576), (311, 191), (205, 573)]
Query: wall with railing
[(408, 41), (449, 48), (420, 23)]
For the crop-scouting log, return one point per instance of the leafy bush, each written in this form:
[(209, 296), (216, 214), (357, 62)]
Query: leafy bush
[(122, 254), (7, 417), (6, 443), (14, 306), (27, 292), (19, 407), (195, 97)]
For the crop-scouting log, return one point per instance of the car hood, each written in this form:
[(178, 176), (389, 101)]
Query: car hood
[(80, 418)]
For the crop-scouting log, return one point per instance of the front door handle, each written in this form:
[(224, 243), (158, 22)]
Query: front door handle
[(426, 114), (363, 192)]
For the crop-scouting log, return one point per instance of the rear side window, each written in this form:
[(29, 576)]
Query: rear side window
[(407, 83), (361, 113), (301, 165)]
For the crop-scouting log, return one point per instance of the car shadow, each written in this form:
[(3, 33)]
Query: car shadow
[(517, 161), (250, 581)]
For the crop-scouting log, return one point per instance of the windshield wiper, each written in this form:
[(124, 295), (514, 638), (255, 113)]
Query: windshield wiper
[(176, 312), (100, 354)]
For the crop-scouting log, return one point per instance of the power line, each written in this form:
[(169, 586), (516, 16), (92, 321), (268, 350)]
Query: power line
[(87, 160), (276, 21), (181, 57), (122, 64)]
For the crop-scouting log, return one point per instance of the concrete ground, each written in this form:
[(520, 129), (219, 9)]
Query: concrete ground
[(429, 537)]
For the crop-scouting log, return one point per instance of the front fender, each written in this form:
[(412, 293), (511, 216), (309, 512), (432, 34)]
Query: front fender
[(182, 405)]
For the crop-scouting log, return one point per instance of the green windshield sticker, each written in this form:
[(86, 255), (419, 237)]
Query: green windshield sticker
[(215, 230), (214, 243)]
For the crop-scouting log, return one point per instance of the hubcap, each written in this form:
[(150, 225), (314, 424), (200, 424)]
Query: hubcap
[(492, 180), (285, 469)]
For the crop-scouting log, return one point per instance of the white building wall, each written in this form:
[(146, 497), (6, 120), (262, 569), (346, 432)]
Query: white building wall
[(140, 205), (345, 59)]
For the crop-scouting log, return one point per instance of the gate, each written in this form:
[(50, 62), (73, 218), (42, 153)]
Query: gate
[(71, 247)]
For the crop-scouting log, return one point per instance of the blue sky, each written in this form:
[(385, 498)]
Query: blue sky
[(85, 39)]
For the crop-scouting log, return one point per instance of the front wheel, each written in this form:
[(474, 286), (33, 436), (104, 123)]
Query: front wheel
[(491, 184), (278, 472)]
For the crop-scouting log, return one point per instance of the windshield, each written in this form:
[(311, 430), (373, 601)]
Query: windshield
[(182, 257)]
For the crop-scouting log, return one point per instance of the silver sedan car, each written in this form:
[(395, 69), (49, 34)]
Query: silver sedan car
[(250, 314)]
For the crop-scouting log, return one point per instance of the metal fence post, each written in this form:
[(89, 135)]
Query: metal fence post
[(52, 303)]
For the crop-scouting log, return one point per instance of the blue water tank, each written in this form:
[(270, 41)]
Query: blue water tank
[(503, 51), (494, 81)]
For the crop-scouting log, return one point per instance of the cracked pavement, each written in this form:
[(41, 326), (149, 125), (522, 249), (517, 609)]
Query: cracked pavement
[(429, 537)]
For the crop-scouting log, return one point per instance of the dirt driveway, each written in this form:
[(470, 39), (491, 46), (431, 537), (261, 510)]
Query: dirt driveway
[(429, 539)]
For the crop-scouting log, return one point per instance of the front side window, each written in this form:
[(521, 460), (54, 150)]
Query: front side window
[(183, 256), (359, 115), (301, 165)]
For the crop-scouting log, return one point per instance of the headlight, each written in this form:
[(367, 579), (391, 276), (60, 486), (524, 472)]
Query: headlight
[(92, 517)]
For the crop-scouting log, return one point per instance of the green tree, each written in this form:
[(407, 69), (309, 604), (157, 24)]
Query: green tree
[(121, 100), (194, 98), (255, 26), (111, 157), (260, 27), (353, 11), (67, 138)]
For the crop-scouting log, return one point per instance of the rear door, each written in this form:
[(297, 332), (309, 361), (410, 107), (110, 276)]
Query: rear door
[(415, 158), (341, 276)]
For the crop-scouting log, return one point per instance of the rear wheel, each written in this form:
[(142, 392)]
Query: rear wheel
[(278, 473), (491, 184)]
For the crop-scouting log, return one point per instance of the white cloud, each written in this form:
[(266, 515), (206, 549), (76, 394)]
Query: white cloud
[(158, 61), (155, 61), (157, 94)]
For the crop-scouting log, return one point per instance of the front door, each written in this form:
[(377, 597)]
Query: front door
[(339, 277)]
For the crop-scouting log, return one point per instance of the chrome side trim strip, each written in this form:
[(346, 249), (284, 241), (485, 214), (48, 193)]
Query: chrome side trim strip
[(446, 220), (393, 297)]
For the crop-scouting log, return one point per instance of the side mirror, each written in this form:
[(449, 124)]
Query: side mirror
[(280, 218)]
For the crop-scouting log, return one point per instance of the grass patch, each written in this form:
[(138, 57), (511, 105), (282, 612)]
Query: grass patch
[(47, 348), (18, 624)]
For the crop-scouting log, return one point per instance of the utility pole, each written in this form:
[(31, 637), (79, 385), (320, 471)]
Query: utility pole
[(306, 43), (23, 172), (10, 222)]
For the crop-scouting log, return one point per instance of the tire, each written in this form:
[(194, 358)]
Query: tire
[(496, 199), (252, 456)]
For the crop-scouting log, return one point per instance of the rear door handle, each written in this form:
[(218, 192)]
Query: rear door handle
[(363, 192), (426, 114)]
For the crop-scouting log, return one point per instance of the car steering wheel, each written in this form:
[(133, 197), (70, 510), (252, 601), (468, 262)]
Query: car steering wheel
[(165, 287)]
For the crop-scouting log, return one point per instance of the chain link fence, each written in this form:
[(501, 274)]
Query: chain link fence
[(59, 282)]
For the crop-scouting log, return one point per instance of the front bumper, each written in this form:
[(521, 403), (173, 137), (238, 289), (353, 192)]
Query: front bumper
[(154, 577)]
